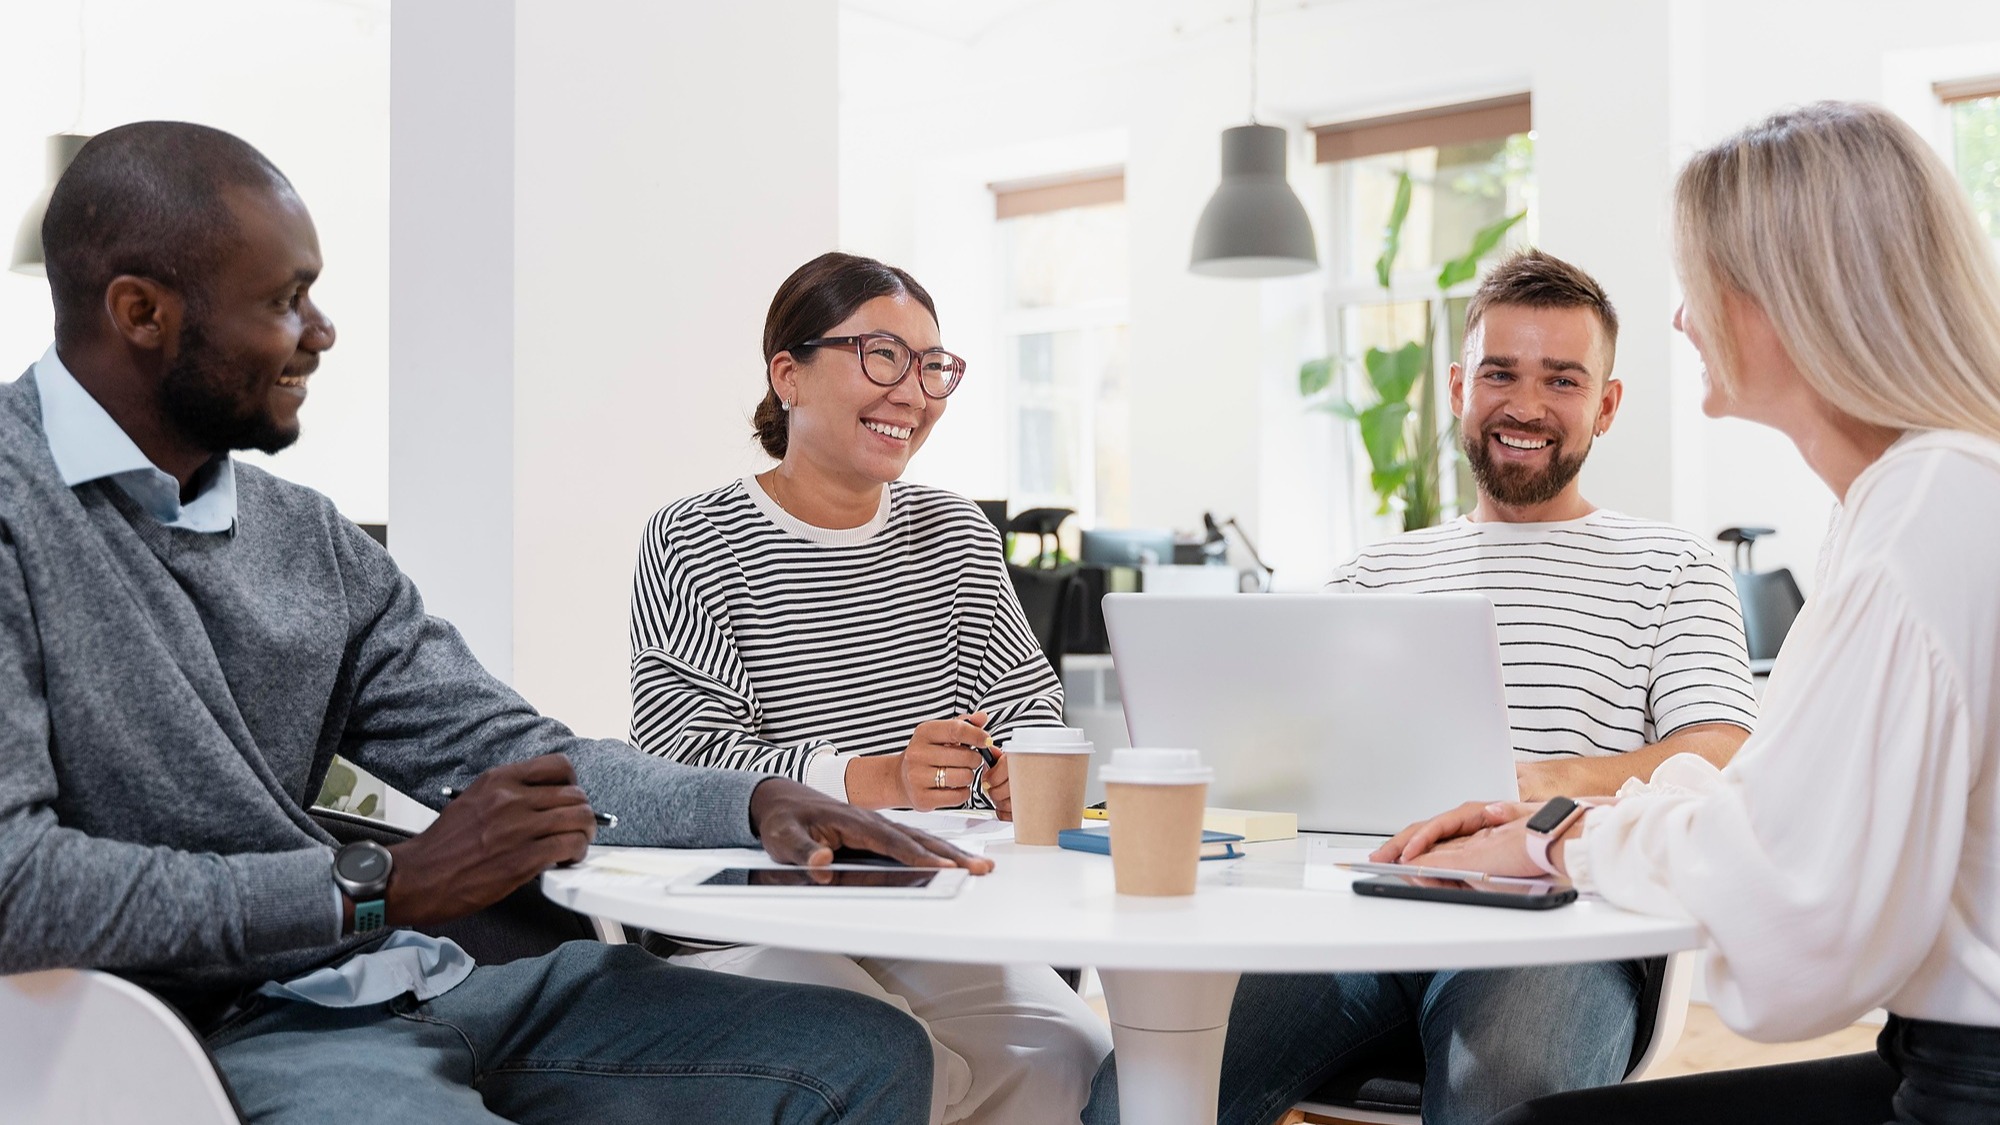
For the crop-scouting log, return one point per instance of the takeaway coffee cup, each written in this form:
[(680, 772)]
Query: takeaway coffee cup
[(1155, 799), (1046, 771)]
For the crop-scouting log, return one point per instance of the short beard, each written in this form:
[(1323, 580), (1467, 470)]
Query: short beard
[(1515, 486), (216, 408)]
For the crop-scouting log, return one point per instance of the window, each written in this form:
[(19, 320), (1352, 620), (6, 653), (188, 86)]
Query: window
[(1470, 166), (1974, 107), (1063, 328)]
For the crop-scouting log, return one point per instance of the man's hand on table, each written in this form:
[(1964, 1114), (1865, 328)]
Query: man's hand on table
[(510, 825), (801, 825)]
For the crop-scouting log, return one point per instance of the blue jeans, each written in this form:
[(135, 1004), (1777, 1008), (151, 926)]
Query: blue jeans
[(1490, 1038), (606, 1034)]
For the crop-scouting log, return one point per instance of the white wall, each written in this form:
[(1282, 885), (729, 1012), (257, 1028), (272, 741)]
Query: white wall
[(1622, 92), (1889, 53), (306, 81), (670, 165)]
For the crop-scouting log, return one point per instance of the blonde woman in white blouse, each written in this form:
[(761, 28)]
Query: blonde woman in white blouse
[(1840, 290)]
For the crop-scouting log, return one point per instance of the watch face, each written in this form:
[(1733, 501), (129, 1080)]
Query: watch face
[(1552, 814), (362, 865)]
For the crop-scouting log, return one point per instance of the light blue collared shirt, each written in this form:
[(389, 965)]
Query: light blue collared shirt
[(88, 444)]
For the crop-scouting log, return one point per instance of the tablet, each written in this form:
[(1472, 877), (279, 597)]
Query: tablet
[(837, 880)]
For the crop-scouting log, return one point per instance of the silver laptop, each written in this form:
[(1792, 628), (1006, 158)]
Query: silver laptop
[(1359, 712)]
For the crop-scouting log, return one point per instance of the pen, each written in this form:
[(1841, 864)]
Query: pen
[(604, 819)]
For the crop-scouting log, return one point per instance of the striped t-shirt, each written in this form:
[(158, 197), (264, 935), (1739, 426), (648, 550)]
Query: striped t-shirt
[(1614, 632), (760, 642)]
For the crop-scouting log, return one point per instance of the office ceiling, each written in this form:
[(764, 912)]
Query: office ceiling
[(968, 21)]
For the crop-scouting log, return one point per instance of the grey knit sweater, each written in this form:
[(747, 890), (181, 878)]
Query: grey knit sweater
[(170, 700)]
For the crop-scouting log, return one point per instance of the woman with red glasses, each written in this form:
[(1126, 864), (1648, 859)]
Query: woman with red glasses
[(826, 621)]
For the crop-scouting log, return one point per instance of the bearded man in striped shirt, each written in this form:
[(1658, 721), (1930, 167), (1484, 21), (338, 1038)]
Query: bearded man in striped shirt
[(1622, 645), (1621, 640)]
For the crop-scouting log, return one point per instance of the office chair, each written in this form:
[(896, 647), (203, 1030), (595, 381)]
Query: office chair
[(1042, 523), (1051, 599), (82, 1047), (1390, 1090), (1771, 599)]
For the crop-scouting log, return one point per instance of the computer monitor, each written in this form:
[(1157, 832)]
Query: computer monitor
[(1127, 547)]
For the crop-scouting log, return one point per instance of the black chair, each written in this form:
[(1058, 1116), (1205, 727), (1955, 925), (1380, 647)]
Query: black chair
[(1042, 523), (1390, 1086), (1052, 600), (1771, 598)]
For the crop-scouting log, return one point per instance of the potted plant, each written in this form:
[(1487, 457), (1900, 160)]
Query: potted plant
[(1403, 437)]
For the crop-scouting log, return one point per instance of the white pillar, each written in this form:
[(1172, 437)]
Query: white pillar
[(451, 297), (594, 354)]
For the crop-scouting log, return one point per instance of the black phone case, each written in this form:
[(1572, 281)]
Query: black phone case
[(1395, 888)]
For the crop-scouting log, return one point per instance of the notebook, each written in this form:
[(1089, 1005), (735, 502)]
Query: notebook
[(1214, 845)]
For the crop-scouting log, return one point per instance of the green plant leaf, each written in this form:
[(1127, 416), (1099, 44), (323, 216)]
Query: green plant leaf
[(1465, 267), (1382, 433), (1392, 235), (1386, 483), (1340, 407), (1392, 374), (1315, 375), (1411, 360)]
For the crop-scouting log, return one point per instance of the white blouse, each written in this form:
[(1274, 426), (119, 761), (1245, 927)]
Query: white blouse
[(1849, 856)]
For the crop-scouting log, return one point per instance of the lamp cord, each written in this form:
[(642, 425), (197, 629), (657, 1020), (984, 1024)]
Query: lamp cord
[(82, 61), (1253, 61)]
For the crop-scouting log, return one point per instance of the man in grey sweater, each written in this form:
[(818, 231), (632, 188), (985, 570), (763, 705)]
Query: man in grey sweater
[(185, 643)]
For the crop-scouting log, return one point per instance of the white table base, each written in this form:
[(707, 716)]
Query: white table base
[(1168, 1029)]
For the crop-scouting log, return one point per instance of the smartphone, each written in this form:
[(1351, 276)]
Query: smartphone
[(838, 880), (1519, 896)]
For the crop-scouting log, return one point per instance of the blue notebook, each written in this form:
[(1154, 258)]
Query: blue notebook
[(1214, 845)]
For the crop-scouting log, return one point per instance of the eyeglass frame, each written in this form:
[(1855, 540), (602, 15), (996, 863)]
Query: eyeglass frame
[(859, 342)]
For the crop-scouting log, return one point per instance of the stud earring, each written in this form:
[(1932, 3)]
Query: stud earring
[(785, 406)]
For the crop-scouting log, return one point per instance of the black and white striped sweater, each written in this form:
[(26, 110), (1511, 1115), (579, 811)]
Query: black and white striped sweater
[(762, 643)]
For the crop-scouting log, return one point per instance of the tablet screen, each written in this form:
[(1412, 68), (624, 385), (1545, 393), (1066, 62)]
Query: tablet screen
[(822, 877)]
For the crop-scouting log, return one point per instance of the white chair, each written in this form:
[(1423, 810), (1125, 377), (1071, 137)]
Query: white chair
[(1397, 1098), (79, 1047)]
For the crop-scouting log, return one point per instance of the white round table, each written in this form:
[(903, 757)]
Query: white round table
[(1169, 965)]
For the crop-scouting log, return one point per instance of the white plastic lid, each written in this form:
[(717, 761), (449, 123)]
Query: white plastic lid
[(1156, 767), (1048, 740)]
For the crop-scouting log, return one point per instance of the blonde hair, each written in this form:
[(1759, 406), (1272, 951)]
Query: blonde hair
[(1851, 235)]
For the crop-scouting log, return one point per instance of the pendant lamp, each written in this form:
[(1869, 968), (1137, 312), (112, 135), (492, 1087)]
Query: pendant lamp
[(61, 149), (1253, 226)]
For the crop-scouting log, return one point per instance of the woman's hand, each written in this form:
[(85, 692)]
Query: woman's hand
[(1500, 848), (937, 766), (1467, 820), (996, 787)]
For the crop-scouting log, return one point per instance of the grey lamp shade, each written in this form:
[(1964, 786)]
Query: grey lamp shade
[(1253, 226), (62, 148)]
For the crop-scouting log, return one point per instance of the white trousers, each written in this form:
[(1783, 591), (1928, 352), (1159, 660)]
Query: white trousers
[(1011, 1044)]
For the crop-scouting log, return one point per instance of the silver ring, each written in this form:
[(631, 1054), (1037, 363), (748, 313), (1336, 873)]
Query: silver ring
[(939, 783)]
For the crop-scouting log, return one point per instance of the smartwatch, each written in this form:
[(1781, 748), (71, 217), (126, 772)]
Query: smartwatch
[(1547, 826), (361, 871)]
